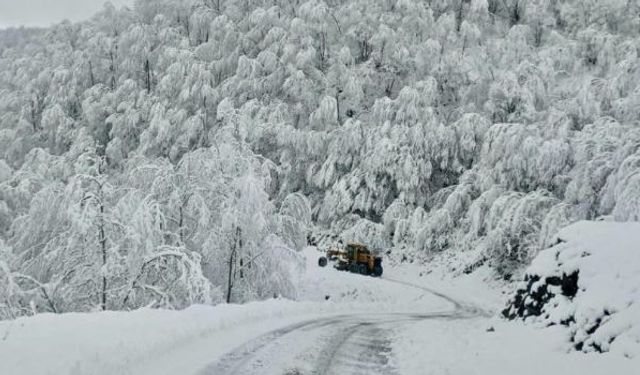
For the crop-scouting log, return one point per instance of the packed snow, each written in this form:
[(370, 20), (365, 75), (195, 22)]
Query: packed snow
[(117, 342), (481, 346), (152, 341)]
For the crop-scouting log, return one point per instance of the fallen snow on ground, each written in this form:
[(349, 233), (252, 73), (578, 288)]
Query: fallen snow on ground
[(490, 345), (468, 347), (116, 342), (170, 342), (150, 341), (377, 294), (480, 289)]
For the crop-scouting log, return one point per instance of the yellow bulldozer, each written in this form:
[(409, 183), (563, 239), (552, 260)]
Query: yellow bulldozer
[(356, 258)]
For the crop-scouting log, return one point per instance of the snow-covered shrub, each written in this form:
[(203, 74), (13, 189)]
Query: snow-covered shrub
[(434, 235), (521, 159), (474, 225), (297, 206), (407, 229), (514, 226), (558, 217), (9, 308), (393, 214), (368, 233), (620, 193), (439, 230), (295, 221), (5, 171), (596, 157)]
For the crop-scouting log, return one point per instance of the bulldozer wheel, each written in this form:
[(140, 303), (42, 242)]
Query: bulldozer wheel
[(377, 271), (354, 268), (363, 269), (322, 261)]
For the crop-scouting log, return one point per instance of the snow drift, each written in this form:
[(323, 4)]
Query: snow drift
[(588, 282), (117, 342)]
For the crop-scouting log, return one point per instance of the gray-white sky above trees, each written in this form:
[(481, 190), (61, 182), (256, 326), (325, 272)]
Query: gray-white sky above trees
[(46, 12)]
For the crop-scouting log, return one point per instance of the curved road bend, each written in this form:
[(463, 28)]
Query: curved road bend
[(339, 344)]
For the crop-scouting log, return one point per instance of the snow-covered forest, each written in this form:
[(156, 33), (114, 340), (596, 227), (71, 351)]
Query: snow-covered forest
[(181, 152)]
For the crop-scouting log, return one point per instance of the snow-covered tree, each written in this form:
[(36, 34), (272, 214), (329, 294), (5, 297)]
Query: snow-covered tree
[(174, 151)]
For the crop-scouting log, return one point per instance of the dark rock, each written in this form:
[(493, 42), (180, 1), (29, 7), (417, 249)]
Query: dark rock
[(474, 266), (530, 301)]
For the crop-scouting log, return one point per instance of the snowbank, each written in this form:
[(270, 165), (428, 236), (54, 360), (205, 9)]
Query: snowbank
[(129, 342), (112, 342), (480, 347), (589, 282)]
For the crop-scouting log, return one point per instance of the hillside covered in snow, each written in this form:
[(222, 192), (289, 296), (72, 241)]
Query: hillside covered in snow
[(181, 152), (588, 283)]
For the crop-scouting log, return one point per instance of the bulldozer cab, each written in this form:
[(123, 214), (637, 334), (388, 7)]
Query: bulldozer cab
[(354, 250)]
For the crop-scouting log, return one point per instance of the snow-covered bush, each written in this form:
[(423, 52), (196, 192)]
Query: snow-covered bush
[(367, 232), (515, 221)]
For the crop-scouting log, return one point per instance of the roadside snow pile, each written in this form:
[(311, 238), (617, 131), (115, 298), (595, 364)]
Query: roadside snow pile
[(112, 342), (589, 282), (480, 346)]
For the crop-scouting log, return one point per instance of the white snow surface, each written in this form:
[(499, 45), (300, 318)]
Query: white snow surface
[(149, 341), (607, 257), (488, 344), (467, 348), (167, 342)]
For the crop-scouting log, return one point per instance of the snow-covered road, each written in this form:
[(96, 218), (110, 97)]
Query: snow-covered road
[(346, 344), (338, 344), (356, 343), (321, 346)]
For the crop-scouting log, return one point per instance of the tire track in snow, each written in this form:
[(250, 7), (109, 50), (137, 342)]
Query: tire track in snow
[(333, 347), (358, 345), (354, 333), (470, 309), (365, 350), (235, 361)]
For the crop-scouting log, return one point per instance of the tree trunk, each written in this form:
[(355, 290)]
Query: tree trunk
[(338, 92), (180, 226), (103, 248), (147, 70), (459, 16), (204, 140), (103, 245), (92, 79), (232, 259), (112, 70)]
